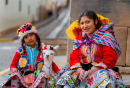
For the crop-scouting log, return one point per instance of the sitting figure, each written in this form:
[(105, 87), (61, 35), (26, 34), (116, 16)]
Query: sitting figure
[(49, 66)]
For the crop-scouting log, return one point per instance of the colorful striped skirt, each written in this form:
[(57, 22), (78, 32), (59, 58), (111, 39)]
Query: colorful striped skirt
[(68, 78)]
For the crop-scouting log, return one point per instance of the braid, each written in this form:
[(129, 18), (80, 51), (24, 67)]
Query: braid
[(39, 41), (23, 46)]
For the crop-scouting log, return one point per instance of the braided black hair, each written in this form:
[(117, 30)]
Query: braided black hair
[(38, 40)]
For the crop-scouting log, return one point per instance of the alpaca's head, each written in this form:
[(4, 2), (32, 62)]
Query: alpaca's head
[(48, 52)]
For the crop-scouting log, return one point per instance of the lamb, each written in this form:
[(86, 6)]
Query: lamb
[(49, 66)]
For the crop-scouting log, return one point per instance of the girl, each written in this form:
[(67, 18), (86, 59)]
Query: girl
[(94, 55), (28, 59)]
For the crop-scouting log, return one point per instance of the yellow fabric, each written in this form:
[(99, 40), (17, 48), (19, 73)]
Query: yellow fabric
[(102, 20), (74, 28)]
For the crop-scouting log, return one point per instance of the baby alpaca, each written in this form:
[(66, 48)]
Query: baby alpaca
[(49, 66)]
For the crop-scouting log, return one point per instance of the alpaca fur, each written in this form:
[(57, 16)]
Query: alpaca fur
[(48, 61)]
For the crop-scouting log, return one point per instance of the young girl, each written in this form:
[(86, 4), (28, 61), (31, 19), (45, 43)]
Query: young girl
[(27, 59), (94, 55)]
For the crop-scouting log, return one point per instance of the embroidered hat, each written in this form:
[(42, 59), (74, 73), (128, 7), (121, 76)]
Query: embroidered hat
[(49, 47), (74, 28), (25, 29)]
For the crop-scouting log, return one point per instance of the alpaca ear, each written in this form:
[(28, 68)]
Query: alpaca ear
[(56, 47), (43, 44)]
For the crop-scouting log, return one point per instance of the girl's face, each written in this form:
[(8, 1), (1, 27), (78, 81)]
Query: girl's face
[(30, 39), (87, 25)]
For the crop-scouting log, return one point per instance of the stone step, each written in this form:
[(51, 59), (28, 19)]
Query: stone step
[(61, 52), (127, 86), (54, 41), (124, 70)]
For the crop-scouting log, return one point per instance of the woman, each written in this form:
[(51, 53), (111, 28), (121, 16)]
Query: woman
[(94, 55)]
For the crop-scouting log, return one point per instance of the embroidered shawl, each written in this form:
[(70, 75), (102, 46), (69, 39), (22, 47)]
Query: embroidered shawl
[(104, 36)]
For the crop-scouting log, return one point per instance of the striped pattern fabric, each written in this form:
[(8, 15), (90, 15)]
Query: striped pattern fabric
[(104, 36)]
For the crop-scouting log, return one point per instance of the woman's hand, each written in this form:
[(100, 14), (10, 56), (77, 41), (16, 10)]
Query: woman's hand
[(14, 70), (81, 73), (91, 71)]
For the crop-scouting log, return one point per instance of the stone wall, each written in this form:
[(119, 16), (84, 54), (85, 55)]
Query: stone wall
[(121, 36), (118, 11), (128, 49)]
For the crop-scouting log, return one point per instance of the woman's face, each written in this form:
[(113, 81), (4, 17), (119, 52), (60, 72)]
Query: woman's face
[(87, 25), (30, 39)]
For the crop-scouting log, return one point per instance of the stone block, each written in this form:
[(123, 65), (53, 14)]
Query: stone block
[(128, 49), (124, 70), (117, 11), (121, 36), (61, 52), (126, 80), (54, 41), (77, 6), (69, 49)]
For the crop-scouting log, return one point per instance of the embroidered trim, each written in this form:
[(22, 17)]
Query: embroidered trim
[(101, 64), (86, 52), (77, 65)]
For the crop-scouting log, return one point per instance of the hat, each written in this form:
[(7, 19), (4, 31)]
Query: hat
[(74, 28), (49, 47), (25, 29)]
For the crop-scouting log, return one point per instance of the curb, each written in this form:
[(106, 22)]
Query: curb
[(4, 71), (6, 40)]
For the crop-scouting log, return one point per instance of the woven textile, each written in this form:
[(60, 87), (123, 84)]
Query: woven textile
[(104, 36)]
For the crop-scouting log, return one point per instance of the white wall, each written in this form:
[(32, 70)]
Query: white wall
[(10, 16), (48, 4), (64, 2)]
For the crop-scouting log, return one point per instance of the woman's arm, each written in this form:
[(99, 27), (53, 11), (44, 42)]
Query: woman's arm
[(109, 58), (75, 63), (74, 59)]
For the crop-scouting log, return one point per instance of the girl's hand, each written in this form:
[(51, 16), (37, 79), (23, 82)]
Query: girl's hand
[(81, 73), (91, 71), (14, 70)]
